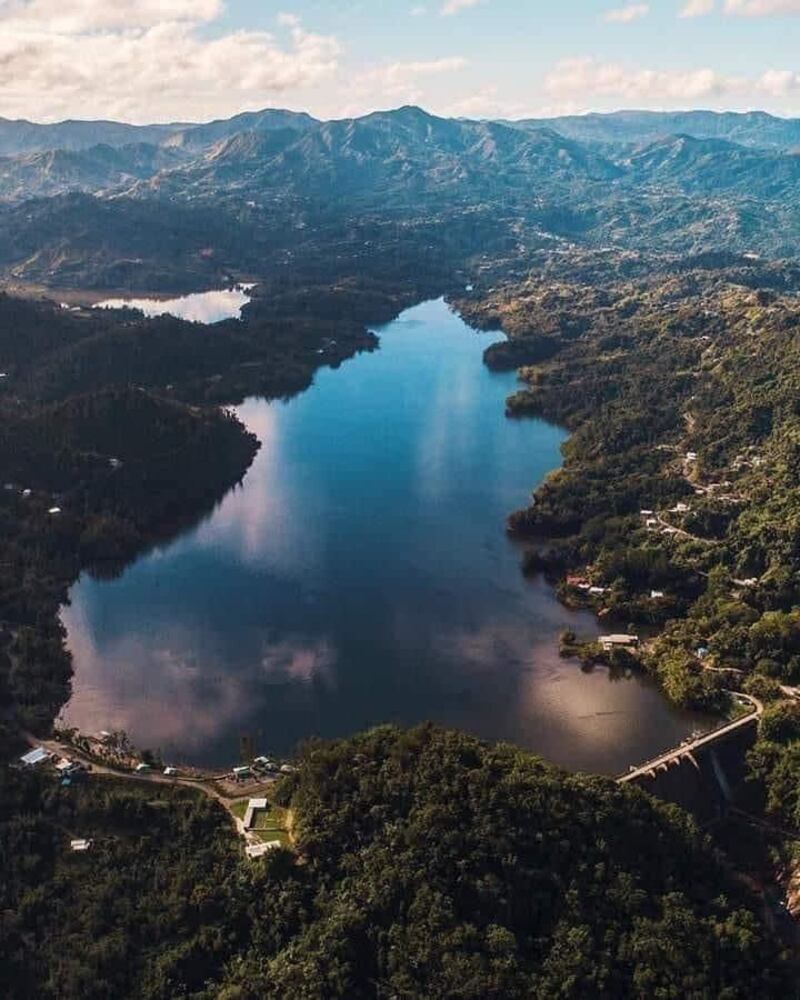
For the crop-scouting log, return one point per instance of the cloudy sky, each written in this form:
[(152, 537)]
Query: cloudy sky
[(189, 60)]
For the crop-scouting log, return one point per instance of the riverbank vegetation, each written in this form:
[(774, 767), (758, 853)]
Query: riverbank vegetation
[(428, 865), (675, 512), (675, 504)]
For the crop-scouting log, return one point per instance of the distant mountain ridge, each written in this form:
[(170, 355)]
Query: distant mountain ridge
[(620, 128), (279, 176), (406, 155), (21, 136), (392, 156)]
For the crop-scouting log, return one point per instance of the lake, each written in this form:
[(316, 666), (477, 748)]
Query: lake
[(199, 307), (361, 574)]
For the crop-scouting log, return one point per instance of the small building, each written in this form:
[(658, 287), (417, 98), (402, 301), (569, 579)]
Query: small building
[(66, 767), (287, 769), (53, 511), (680, 508), (35, 757), (143, 768), (259, 850), (647, 513), (597, 591), (81, 845), (656, 595), (621, 641), (691, 456), (27, 493), (652, 522), (240, 773), (171, 772), (265, 764), (254, 807)]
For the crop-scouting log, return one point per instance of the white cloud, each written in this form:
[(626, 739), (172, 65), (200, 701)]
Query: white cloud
[(456, 6), (574, 77), (80, 16), (697, 8), (742, 8), (625, 15), (400, 82), (762, 8), (779, 83), (145, 60), (589, 79)]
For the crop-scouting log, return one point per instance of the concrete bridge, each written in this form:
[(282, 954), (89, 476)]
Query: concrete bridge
[(705, 775)]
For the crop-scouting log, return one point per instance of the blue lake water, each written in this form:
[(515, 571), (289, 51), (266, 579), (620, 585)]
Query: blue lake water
[(361, 574)]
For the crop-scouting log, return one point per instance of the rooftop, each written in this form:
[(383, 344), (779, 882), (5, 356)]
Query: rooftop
[(34, 757), (259, 850)]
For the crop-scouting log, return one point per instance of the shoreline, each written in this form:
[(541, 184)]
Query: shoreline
[(657, 692)]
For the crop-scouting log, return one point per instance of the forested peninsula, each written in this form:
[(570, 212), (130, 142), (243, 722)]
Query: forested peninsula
[(675, 512)]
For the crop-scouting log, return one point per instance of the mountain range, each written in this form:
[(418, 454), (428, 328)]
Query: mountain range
[(688, 182), (403, 154)]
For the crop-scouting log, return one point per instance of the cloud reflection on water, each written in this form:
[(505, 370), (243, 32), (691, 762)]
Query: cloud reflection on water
[(177, 694), (199, 307)]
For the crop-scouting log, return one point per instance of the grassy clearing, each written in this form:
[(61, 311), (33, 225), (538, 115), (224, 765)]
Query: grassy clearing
[(273, 825), (270, 825)]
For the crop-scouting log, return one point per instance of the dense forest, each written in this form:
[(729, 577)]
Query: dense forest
[(426, 864)]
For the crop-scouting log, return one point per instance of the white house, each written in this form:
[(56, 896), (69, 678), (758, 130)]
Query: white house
[(259, 850), (609, 642)]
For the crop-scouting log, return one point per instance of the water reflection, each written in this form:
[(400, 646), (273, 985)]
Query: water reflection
[(361, 574), (200, 307)]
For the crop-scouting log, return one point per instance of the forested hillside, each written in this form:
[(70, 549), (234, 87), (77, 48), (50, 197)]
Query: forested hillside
[(677, 501), (186, 207), (428, 865)]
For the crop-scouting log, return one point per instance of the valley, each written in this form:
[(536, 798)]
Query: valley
[(486, 390)]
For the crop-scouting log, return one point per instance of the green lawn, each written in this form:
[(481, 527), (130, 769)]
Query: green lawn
[(270, 825)]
